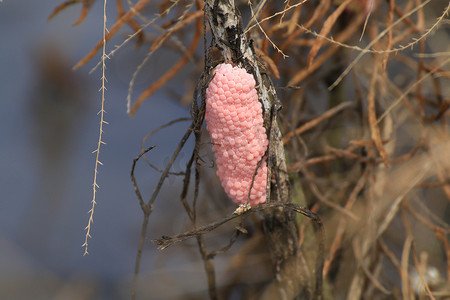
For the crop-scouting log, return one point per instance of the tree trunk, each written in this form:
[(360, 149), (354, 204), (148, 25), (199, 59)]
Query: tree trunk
[(278, 223)]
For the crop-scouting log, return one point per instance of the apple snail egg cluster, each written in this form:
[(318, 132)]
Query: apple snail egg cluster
[(235, 123)]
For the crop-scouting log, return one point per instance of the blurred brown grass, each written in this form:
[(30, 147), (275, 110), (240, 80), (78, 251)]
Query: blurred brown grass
[(371, 155)]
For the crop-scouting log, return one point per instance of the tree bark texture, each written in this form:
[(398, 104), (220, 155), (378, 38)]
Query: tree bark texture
[(278, 224)]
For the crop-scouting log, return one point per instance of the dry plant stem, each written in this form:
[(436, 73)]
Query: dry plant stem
[(444, 240), (336, 244), (174, 70), (100, 135), (184, 19), (420, 270), (131, 36), (84, 10), (364, 267), (133, 179), (132, 23), (374, 129), (278, 224), (313, 123), (320, 11), (147, 208), (264, 32), (390, 19), (315, 190), (442, 174), (394, 260), (270, 63), (112, 31), (419, 205), (155, 131), (419, 217), (147, 211), (396, 202), (310, 162), (165, 173), (318, 62), (439, 231), (362, 244), (166, 241), (407, 292), (198, 118), (388, 29), (327, 25), (405, 19)]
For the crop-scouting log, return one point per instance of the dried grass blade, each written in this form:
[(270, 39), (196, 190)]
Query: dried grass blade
[(374, 129), (341, 38), (132, 23), (188, 19), (170, 73), (270, 63), (404, 268), (112, 31), (84, 10), (311, 124), (326, 28), (62, 7), (390, 19)]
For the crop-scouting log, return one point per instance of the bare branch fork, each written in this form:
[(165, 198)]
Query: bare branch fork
[(278, 215)]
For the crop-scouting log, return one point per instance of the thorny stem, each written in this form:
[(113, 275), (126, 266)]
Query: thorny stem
[(100, 135)]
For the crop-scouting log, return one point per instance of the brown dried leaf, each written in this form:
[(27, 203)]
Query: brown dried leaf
[(189, 18), (62, 7), (112, 31), (132, 23), (173, 71), (326, 28), (341, 38), (84, 10), (270, 63), (318, 12), (293, 20)]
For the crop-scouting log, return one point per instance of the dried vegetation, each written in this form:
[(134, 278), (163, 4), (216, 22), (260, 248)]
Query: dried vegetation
[(364, 87)]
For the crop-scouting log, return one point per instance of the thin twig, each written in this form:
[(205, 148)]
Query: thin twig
[(166, 241), (100, 135), (311, 124)]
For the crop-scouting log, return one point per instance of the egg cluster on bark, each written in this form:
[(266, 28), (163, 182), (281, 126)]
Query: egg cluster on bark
[(235, 123)]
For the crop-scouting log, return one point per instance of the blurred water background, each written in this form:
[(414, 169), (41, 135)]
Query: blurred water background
[(49, 127)]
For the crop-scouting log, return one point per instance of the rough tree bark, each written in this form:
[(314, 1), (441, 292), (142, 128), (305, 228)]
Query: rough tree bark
[(278, 223)]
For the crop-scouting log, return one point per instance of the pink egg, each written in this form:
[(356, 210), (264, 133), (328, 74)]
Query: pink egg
[(235, 123)]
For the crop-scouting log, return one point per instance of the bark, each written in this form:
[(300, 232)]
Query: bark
[(278, 223)]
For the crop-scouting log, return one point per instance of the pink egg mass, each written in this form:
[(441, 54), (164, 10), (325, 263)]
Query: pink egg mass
[(235, 124)]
